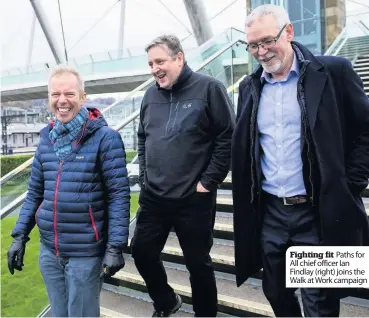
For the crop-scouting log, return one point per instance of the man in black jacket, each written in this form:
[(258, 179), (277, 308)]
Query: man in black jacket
[(184, 144), (300, 158)]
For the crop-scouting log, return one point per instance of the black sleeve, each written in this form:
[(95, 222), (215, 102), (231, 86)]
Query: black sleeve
[(141, 150), (357, 112), (223, 120)]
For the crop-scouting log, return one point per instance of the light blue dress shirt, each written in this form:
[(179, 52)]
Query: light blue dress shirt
[(279, 125)]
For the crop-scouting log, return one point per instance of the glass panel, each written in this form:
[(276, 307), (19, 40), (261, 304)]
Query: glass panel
[(108, 62), (241, 67), (229, 67), (15, 186), (355, 41)]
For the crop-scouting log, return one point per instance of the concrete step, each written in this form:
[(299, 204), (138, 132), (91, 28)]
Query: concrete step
[(107, 313), (221, 254), (361, 69), (362, 64), (221, 251), (362, 58), (129, 278), (247, 299), (353, 52), (357, 50), (124, 302), (227, 183), (224, 203)]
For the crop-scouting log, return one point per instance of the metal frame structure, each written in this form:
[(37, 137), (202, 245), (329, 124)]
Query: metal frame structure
[(49, 34), (17, 202)]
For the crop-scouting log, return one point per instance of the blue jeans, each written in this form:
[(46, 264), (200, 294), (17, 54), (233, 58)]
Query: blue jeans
[(73, 284)]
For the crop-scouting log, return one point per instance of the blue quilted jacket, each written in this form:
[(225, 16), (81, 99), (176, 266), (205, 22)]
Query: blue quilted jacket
[(80, 204)]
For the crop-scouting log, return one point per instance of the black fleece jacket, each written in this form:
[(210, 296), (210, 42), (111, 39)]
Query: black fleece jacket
[(184, 136)]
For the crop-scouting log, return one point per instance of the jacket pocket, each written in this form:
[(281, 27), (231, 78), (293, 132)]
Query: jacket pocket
[(93, 223), (38, 209)]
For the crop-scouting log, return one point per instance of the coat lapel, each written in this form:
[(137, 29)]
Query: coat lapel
[(314, 87)]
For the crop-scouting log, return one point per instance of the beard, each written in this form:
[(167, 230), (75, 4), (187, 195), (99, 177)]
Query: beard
[(275, 66)]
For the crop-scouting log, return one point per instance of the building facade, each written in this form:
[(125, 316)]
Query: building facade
[(21, 128), (317, 23)]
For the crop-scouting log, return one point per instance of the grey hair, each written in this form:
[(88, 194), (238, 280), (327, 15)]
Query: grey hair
[(278, 12), (171, 41), (62, 69)]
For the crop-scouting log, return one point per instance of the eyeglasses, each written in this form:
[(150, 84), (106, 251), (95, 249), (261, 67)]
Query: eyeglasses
[(267, 44)]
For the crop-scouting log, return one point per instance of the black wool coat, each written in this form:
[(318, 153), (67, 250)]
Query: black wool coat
[(338, 119)]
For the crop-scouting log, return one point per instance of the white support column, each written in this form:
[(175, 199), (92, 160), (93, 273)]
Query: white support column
[(202, 30), (199, 20), (121, 28), (30, 45), (46, 28)]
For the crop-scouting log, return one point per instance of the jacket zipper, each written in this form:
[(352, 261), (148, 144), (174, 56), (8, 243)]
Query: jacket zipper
[(252, 127), (55, 210), (170, 112), (93, 222), (303, 109)]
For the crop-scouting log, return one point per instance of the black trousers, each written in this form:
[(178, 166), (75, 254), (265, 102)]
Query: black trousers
[(286, 226), (193, 221)]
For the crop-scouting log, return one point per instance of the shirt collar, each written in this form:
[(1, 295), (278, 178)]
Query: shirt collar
[(293, 71)]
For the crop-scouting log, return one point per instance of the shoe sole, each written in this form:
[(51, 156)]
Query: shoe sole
[(177, 307)]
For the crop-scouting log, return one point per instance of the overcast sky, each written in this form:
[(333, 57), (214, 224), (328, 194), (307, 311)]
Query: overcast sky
[(145, 19)]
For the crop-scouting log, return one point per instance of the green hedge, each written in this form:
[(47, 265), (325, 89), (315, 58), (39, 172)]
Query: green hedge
[(8, 163)]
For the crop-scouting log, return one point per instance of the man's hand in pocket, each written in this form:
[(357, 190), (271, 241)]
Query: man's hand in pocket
[(200, 188)]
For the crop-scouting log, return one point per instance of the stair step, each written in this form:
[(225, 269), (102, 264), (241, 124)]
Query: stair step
[(224, 203), (107, 313), (230, 296), (362, 73), (222, 253), (224, 218), (365, 64), (361, 69), (173, 252), (226, 303), (124, 302), (248, 296)]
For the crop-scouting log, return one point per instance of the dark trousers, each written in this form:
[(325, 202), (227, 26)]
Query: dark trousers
[(286, 226), (193, 221)]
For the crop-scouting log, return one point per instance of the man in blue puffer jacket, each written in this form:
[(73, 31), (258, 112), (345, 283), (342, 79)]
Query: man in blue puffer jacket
[(79, 197)]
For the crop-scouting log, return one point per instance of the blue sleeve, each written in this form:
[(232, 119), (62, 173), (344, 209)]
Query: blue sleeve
[(115, 178), (26, 220)]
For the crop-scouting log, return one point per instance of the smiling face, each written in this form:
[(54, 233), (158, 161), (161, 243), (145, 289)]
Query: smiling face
[(164, 67), (278, 59), (65, 97)]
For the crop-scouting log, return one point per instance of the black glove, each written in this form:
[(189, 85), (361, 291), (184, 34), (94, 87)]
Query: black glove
[(16, 253), (113, 261)]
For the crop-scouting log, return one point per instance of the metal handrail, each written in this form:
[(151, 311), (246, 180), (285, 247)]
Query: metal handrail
[(128, 96), (343, 36), (15, 171), (19, 200), (363, 27), (136, 113), (42, 66)]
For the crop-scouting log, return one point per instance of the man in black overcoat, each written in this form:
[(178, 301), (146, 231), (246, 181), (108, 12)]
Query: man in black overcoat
[(300, 160)]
